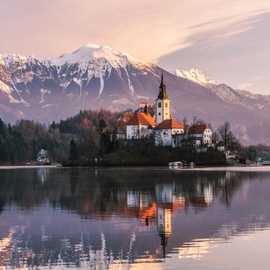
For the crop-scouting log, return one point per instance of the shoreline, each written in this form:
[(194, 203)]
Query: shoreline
[(227, 168), (203, 169), (12, 167)]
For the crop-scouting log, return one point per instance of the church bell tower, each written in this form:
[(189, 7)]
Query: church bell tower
[(162, 111)]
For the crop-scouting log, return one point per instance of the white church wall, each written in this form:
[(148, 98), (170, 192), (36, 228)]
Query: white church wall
[(207, 136), (135, 132), (163, 111), (132, 132)]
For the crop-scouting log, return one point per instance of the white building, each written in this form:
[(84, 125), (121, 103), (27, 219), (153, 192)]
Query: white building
[(166, 130), (140, 126), (201, 134), (166, 127), (43, 157)]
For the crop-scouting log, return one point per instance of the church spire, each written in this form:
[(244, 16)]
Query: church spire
[(162, 81), (163, 111), (162, 89)]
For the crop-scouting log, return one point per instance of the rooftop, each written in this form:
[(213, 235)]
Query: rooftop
[(170, 124), (141, 118), (198, 128)]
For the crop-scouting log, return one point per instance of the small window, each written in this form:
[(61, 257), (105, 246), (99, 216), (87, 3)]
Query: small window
[(159, 104), (166, 105), (159, 113)]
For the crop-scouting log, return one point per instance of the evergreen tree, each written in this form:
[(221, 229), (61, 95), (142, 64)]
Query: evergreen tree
[(2, 128), (102, 125), (73, 151)]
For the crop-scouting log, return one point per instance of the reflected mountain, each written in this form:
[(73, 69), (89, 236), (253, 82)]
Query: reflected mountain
[(84, 218)]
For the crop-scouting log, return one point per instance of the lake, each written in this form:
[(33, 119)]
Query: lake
[(134, 218)]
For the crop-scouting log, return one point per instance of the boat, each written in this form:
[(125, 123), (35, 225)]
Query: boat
[(265, 163), (43, 158), (176, 165), (181, 165)]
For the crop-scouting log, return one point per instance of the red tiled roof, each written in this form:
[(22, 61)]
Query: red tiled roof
[(198, 129), (170, 124), (141, 118)]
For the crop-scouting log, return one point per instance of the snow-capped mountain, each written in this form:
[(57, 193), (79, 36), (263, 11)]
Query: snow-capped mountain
[(94, 77), (94, 61), (194, 74), (223, 91)]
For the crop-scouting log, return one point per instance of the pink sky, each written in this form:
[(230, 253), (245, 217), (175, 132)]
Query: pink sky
[(153, 30)]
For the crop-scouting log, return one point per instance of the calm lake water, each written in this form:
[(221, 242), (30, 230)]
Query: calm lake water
[(134, 219)]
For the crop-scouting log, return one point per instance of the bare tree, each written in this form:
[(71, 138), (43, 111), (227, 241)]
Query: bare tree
[(228, 138)]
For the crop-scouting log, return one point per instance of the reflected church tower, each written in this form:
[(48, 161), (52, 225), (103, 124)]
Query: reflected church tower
[(164, 224), (165, 198)]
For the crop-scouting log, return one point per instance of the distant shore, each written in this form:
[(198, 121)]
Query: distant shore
[(228, 168), (209, 169), (4, 167)]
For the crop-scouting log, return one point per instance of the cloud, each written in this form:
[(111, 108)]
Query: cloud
[(245, 85), (236, 53), (153, 30), (146, 29)]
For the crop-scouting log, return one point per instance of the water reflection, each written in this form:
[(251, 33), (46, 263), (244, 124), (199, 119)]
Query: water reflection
[(120, 218)]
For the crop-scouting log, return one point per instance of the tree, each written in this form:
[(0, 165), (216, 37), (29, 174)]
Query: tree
[(228, 138), (251, 152), (2, 128), (224, 132), (73, 151), (90, 131), (105, 144), (53, 126), (185, 123), (215, 137), (102, 125)]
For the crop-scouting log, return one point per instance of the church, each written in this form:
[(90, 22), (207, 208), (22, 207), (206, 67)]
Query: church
[(162, 126), (165, 130)]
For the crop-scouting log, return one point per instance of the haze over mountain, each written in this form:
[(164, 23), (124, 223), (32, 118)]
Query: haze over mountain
[(221, 37), (95, 77)]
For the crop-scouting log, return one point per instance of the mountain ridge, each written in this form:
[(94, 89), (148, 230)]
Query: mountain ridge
[(95, 77)]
